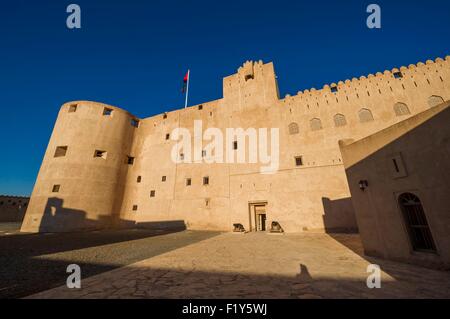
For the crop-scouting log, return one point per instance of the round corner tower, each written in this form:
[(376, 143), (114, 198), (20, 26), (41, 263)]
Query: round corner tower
[(80, 182)]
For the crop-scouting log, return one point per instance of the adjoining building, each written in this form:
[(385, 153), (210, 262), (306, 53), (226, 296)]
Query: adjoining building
[(104, 166), (399, 180), (13, 208)]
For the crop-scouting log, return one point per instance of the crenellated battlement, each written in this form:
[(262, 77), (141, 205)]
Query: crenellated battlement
[(413, 71), (411, 85)]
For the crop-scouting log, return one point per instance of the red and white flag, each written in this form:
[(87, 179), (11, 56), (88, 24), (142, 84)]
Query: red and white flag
[(185, 88)]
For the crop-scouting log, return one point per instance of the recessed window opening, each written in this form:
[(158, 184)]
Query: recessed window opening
[(398, 75), (56, 188), (130, 160), (152, 193), (73, 108), (135, 122), (200, 107), (139, 179), (206, 180), (293, 128), (235, 145), (60, 151), (101, 154), (339, 120), (135, 207), (395, 165), (167, 136), (164, 178), (334, 89), (188, 182), (298, 161), (107, 111)]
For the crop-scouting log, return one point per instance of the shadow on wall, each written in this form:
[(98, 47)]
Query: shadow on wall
[(57, 218), (339, 216)]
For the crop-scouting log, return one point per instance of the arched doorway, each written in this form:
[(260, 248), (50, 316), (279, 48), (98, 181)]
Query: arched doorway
[(416, 222)]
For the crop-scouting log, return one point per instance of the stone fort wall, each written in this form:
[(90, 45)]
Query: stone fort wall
[(312, 196), (12, 208)]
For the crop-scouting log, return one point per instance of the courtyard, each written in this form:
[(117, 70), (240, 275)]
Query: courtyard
[(194, 264)]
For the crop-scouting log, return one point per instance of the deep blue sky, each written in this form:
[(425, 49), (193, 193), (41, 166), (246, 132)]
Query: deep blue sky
[(133, 54)]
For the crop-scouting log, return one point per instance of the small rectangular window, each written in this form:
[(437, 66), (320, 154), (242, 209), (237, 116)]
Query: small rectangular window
[(56, 188), (206, 180), (73, 108), (167, 136), (135, 207), (188, 182), (107, 111), (181, 156), (163, 179), (398, 75), (130, 160), (164, 116), (397, 166), (101, 154), (139, 179), (200, 107), (135, 122), (152, 193), (298, 161), (235, 145), (203, 153), (334, 89), (60, 151)]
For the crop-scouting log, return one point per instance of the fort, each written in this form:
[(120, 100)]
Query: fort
[(105, 167)]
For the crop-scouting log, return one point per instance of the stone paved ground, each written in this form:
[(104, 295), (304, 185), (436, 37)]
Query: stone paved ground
[(9, 228), (261, 266), (31, 263)]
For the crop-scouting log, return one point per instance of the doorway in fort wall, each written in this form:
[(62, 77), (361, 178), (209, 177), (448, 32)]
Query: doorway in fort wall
[(257, 212)]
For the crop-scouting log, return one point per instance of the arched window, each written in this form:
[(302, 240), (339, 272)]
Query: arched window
[(293, 128), (339, 120), (401, 109), (316, 124), (416, 222), (365, 115), (435, 100)]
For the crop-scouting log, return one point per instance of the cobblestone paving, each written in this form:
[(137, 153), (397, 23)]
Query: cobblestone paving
[(31, 263), (305, 266)]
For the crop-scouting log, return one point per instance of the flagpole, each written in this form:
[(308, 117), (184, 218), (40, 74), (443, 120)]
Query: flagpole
[(187, 89)]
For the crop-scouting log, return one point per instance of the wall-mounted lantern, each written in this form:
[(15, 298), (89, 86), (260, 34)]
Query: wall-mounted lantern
[(363, 184)]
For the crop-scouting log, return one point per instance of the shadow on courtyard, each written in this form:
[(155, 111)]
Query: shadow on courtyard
[(169, 283), (34, 262)]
